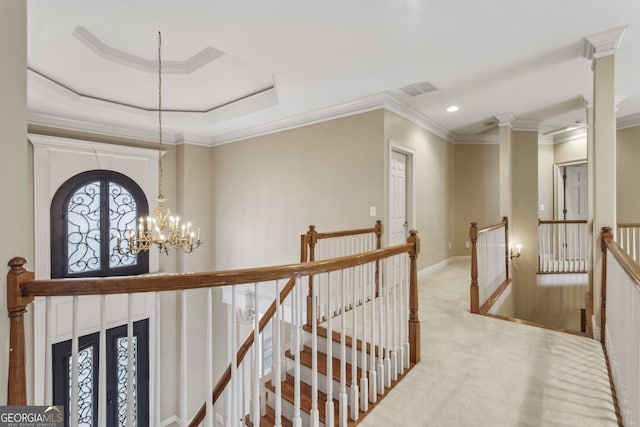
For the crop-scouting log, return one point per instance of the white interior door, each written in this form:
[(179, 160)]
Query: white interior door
[(576, 192), (398, 198)]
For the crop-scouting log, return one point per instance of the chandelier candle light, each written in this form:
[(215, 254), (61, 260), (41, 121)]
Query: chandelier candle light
[(163, 229)]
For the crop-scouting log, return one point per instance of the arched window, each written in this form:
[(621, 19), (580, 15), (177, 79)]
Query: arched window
[(88, 213)]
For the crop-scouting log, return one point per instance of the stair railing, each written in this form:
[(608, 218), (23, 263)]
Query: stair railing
[(628, 238), (619, 327), (563, 246), (393, 346), (316, 245), (489, 264)]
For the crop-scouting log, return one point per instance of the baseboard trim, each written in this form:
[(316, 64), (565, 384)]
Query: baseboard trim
[(427, 271)]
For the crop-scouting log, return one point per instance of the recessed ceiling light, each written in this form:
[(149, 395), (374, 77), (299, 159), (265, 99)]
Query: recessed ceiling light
[(452, 108)]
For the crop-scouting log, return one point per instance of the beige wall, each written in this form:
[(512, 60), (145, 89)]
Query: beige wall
[(570, 151), (434, 178), (476, 190), (545, 181), (16, 192), (628, 178), (267, 190)]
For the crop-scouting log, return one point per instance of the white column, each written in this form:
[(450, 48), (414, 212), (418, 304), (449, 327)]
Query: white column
[(504, 135), (601, 48)]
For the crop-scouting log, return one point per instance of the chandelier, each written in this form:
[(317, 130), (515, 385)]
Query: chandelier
[(162, 229)]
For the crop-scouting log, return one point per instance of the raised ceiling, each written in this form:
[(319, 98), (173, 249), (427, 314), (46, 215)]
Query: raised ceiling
[(236, 69)]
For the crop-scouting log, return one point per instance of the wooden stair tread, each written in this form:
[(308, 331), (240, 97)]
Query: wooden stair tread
[(306, 356), (288, 390), (269, 419)]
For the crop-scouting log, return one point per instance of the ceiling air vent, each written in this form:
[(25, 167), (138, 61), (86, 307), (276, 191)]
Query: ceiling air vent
[(420, 88)]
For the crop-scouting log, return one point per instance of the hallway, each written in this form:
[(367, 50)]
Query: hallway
[(479, 371)]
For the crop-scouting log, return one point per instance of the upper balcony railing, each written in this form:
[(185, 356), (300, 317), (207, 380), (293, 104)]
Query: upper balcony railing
[(389, 350), (620, 332), (489, 264), (563, 246)]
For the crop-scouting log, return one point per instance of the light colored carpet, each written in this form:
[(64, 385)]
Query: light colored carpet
[(479, 371)]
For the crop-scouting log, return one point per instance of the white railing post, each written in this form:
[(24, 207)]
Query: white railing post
[(342, 397), (276, 378), (257, 353), (329, 409), (354, 347), (315, 413), (297, 316)]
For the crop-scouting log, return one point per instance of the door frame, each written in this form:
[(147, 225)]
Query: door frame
[(557, 214), (393, 145)]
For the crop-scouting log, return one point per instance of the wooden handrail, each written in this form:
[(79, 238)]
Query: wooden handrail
[(242, 352), (562, 221), (185, 281), (491, 227), (629, 225)]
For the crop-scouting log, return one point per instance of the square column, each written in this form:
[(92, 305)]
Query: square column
[(601, 49)]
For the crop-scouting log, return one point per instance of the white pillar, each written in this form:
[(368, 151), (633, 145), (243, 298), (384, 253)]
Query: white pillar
[(504, 135), (601, 48)]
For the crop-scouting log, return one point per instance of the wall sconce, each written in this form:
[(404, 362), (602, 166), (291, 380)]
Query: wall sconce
[(517, 254)]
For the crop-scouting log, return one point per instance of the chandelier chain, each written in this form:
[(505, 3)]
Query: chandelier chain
[(160, 115)]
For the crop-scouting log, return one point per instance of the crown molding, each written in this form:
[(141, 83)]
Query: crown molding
[(603, 44), (629, 121), (570, 136), (58, 143), (526, 125), (492, 138), (109, 53), (377, 101), (393, 104), (545, 140)]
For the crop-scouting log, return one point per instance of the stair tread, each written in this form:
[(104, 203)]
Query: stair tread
[(269, 419), (306, 356), (288, 390)]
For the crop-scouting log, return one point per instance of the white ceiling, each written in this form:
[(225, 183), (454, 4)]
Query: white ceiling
[(285, 62)]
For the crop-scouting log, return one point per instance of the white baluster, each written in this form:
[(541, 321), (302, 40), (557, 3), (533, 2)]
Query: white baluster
[(157, 360), (297, 419), (404, 310), (387, 332), (184, 417), (329, 409), (342, 397), (74, 364), (394, 332), (373, 375), (354, 347), (257, 351), (364, 385), (130, 356), (102, 365), (209, 420), (48, 374), (263, 374), (380, 321), (315, 413), (235, 389), (275, 355)]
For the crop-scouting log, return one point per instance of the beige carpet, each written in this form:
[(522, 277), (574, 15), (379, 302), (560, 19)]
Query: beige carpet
[(478, 371)]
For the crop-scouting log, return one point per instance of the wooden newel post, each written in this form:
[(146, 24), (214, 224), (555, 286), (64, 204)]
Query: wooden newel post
[(309, 244), (474, 290), (414, 322), (605, 236), (17, 306)]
